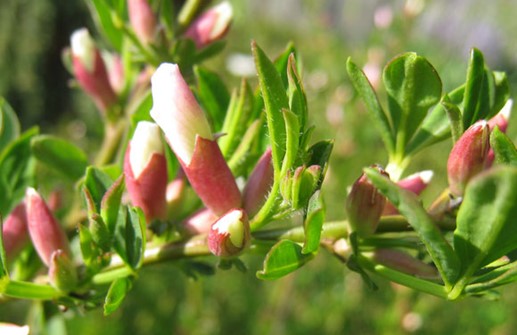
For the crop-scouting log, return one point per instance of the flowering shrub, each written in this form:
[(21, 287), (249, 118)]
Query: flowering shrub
[(188, 171)]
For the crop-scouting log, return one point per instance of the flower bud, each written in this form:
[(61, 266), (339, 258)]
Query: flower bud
[(259, 184), (200, 222), (12, 329), (229, 235), (14, 231), (468, 157), (62, 273), (414, 183), (211, 25), (142, 19), (46, 234), (90, 71), (115, 70), (501, 119), (188, 133), (364, 206), (403, 262), (145, 170)]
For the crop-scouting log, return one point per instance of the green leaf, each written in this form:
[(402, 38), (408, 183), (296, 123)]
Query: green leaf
[(454, 115), (17, 170), (413, 86), (409, 206), (213, 95), (374, 108), (97, 182), (60, 155), (486, 227), (281, 62), (475, 89), (130, 236), (111, 203), (296, 93), (313, 223), (275, 100), (292, 131), (503, 147), (9, 124), (116, 294), (319, 154), (28, 290), (501, 91), (284, 257), (243, 153), (103, 15)]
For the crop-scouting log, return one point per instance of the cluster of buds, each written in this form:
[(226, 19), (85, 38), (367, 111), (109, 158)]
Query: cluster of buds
[(471, 154), (364, 205), (50, 241), (90, 70)]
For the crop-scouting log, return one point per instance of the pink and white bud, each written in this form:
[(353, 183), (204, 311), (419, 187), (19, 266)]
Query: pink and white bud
[(259, 184), (90, 71), (143, 19), (145, 171), (415, 183), (12, 329), (188, 133), (468, 156), (62, 273), (14, 231), (46, 234), (405, 263), (200, 222), (229, 235), (501, 119), (211, 25), (115, 70), (364, 205)]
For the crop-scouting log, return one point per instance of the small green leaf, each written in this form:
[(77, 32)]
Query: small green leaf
[(103, 15), (130, 236), (60, 155), (296, 93), (244, 151), (116, 294), (275, 100), (281, 62), (374, 108), (111, 202), (413, 86), (486, 227), (454, 115), (28, 290), (17, 170), (408, 205), (474, 88), (503, 147), (292, 131), (313, 223), (501, 91), (284, 257), (9, 124), (213, 95), (319, 154), (97, 182)]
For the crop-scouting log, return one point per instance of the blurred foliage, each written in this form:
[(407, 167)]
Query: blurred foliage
[(323, 297)]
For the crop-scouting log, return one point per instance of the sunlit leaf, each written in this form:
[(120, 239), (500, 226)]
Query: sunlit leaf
[(116, 294), (284, 257)]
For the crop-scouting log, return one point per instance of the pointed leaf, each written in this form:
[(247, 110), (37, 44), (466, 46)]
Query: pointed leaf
[(116, 294), (374, 108), (474, 88), (409, 206), (292, 131), (284, 257), (296, 93), (9, 124), (111, 202), (486, 227), (213, 95), (275, 100), (103, 15), (504, 149), (313, 224), (130, 236), (60, 155), (282, 60)]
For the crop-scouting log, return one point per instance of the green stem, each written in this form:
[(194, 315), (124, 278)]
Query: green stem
[(261, 218), (114, 132), (404, 279)]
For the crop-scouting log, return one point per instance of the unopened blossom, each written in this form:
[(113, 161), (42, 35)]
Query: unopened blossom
[(142, 19), (230, 234), (211, 25), (14, 230), (414, 183)]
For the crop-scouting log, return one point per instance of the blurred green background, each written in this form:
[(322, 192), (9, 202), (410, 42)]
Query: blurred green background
[(323, 297)]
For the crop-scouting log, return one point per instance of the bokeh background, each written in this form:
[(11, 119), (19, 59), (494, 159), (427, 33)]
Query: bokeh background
[(323, 297)]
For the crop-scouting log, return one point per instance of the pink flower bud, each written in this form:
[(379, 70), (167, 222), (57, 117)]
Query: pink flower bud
[(229, 235), (211, 25), (403, 262), (142, 19), (115, 70), (12, 329), (259, 184), (90, 71), (468, 156), (62, 273), (415, 183), (188, 133), (364, 206), (46, 234), (145, 170), (14, 230), (501, 119), (199, 222)]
